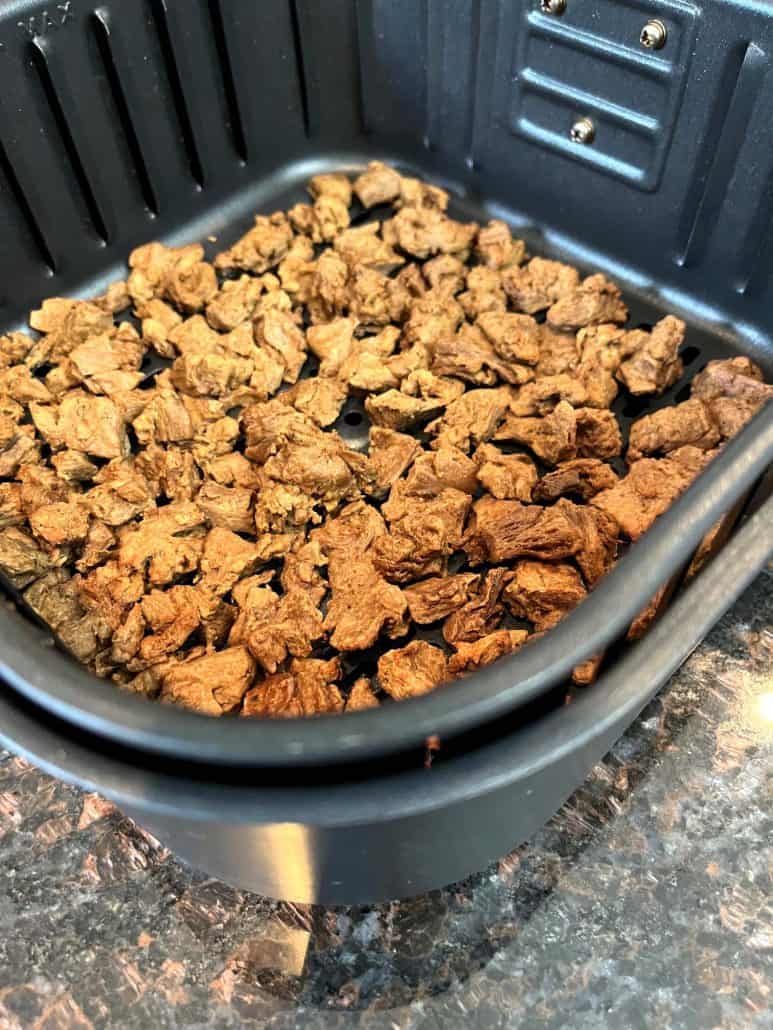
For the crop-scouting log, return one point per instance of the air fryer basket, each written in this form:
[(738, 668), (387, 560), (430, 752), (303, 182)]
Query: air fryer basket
[(178, 119)]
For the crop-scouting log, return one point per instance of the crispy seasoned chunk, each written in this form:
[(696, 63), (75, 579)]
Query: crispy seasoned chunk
[(433, 471), (308, 688), (60, 523), (93, 425), (378, 184), (501, 530), (482, 613), (391, 453), (261, 248), (225, 559), (274, 627), (539, 284), (541, 397), (437, 597), (66, 323), (598, 434), (470, 420), (397, 410), (363, 247), (229, 507), (655, 363), (552, 438), (423, 533), (320, 399), (22, 559), (323, 220), (423, 231), (300, 571), (488, 649), (470, 355), (11, 509), (166, 544), (362, 696), (505, 475), (362, 603), (734, 392), (211, 685), (543, 593), (669, 428), (594, 301), (496, 247), (646, 492), (352, 531), (581, 477), (412, 670), (598, 532), (515, 337)]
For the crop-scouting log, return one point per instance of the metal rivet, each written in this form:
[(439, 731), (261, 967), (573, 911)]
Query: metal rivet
[(653, 35), (583, 131), (554, 7)]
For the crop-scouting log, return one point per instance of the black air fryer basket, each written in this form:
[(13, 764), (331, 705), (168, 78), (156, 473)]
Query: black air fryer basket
[(178, 120)]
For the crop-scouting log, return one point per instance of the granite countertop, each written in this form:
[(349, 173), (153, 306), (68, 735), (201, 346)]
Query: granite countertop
[(644, 903)]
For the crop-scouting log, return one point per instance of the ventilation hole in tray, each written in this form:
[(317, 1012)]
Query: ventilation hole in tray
[(689, 354), (354, 418)]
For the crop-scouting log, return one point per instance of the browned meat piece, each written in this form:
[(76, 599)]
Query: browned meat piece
[(18, 382), (542, 593), (361, 696), (331, 184), (445, 274), (60, 524), (22, 559), (352, 531), (227, 507), (496, 247), (669, 428), (391, 454), (274, 627), (585, 673), (469, 355), (501, 530), (412, 670), (379, 184), (178, 274), (598, 532), (165, 419), (171, 616), (14, 348), (424, 231), (212, 685), (73, 466), (505, 475), (423, 533), (11, 510), (488, 649), (435, 598), (309, 688), (93, 425), (234, 303), (470, 420), (158, 320), (18, 447), (734, 392), (594, 301), (432, 317), (415, 193), (655, 363), (541, 397), (329, 292), (362, 603), (647, 491), (323, 220), (376, 300), (515, 337), (39, 486), (278, 332), (332, 343), (98, 547), (552, 438), (482, 613), (397, 410), (598, 434), (581, 477), (261, 248), (433, 471), (225, 559), (110, 591), (300, 572), (558, 352), (167, 543), (320, 399), (363, 247), (66, 323), (539, 284)]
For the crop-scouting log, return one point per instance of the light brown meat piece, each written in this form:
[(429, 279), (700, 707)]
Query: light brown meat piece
[(261, 248), (734, 392), (433, 471), (488, 649), (235, 302), (586, 672), (66, 323), (321, 399), (558, 352), (501, 530), (646, 492), (362, 604), (212, 685), (390, 453), (93, 425), (598, 532), (496, 247), (361, 697), (541, 397), (61, 523), (470, 420), (166, 544), (505, 476), (432, 317), (470, 355), (482, 613), (54, 598), (177, 274), (437, 597), (396, 410), (300, 571), (412, 670), (279, 332), (73, 466), (376, 300), (581, 477), (109, 591), (594, 301), (655, 363), (352, 531), (515, 337), (552, 438), (364, 247), (11, 509), (539, 284), (227, 507), (543, 593), (378, 184), (484, 292), (18, 447), (423, 533), (225, 559), (424, 232), (307, 689), (22, 559), (274, 628), (598, 434), (321, 221), (445, 274), (672, 427), (172, 616)]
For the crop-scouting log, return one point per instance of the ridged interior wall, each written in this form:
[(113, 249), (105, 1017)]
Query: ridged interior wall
[(125, 120)]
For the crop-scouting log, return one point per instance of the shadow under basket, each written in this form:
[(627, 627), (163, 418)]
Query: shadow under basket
[(179, 120)]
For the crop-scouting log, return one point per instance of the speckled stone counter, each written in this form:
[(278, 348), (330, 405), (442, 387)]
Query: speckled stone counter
[(644, 903)]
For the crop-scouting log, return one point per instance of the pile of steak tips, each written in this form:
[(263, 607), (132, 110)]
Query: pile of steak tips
[(200, 533)]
